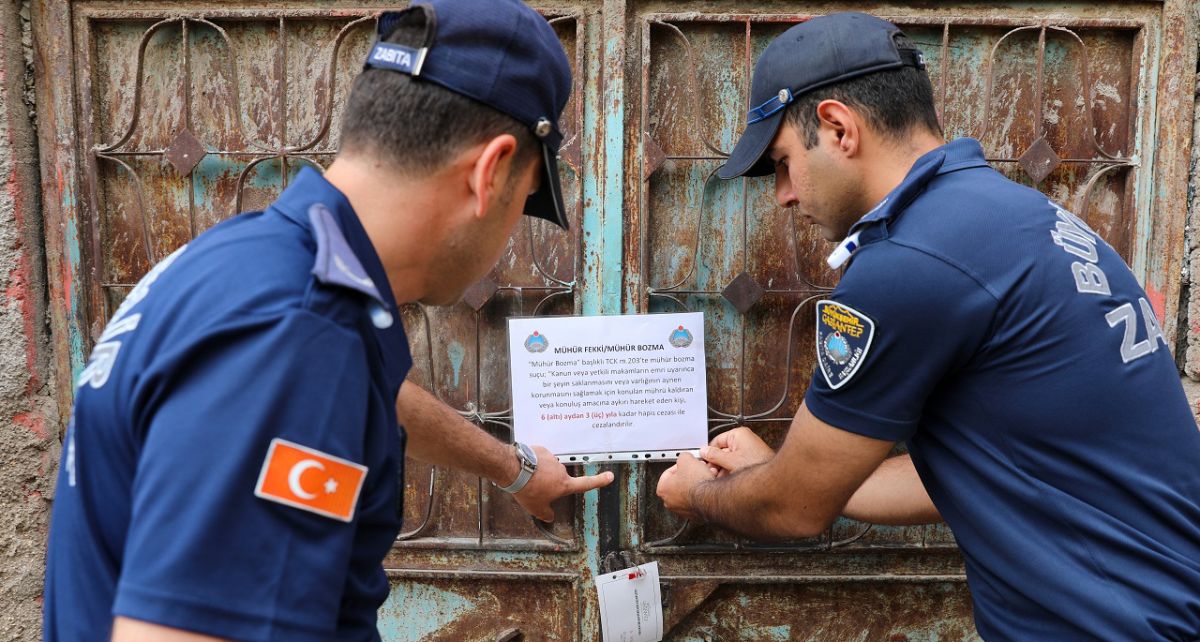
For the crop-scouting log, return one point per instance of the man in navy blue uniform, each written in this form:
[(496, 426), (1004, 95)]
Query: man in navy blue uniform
[(233, 467), (989, 329)]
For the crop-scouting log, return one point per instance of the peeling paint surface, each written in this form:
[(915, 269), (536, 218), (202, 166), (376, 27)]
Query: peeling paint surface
[(29, 446)]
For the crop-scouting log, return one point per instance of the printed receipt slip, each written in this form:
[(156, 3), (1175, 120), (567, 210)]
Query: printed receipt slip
[(631, 604)]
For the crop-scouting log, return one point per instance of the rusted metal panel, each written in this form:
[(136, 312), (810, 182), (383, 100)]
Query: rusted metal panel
[(457, 606), (59, 153), (189, 113), (464, 360), (1053, 84), (831, 608), (1065, 91), (196, 117)]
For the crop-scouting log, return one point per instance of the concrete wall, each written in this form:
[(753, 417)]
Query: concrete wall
[(29, 425), (1189, 326)]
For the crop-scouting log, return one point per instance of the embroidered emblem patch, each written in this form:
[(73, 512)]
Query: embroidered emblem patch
[(843, 339), (310, 480)]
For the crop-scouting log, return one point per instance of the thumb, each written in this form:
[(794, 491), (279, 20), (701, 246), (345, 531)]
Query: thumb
[(718, 456), (585, 483)]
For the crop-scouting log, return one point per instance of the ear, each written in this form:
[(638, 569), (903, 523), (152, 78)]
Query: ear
[(490, 171), (841, 125)]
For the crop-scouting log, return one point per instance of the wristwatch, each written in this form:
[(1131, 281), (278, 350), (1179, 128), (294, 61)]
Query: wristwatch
[(528, 461)]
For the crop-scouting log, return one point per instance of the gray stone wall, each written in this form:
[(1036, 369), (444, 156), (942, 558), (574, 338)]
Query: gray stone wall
[(29, 426), (1189, 327)]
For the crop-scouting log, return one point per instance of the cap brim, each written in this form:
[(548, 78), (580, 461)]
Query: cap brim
[(748, 157), (547, 202)]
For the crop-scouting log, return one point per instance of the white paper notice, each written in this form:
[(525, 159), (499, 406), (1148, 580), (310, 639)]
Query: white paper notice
[(613, 388), (631, 605)]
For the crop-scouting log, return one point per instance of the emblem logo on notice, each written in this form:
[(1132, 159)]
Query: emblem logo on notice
[(536, 342), (681, 337), (843, 340)]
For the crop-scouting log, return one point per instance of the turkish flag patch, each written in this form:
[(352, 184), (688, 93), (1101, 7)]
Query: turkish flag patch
[(300, 477)]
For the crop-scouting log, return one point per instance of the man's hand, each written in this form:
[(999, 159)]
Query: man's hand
[(552, 481), (795, 494), (677, 482), (131, 630), (734, 450), (438, 435)]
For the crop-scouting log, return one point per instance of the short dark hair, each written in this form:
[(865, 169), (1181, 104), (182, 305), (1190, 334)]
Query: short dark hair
[(893, 102), (418, 125)]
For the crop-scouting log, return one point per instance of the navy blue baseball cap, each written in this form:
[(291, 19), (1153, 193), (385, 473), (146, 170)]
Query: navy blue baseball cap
[(497, 52), (813, 54)]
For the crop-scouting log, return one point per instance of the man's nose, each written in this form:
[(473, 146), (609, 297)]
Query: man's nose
[(784, 195)]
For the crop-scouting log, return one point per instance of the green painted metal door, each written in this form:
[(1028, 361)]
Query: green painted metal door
[(158, 119)]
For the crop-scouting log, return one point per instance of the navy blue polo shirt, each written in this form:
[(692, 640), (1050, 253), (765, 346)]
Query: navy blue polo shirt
[(273, 328), (1019, 358)]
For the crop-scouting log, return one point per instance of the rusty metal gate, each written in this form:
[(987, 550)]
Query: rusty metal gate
[(158, 119)]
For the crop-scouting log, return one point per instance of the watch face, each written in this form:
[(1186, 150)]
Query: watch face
[(527, 453)]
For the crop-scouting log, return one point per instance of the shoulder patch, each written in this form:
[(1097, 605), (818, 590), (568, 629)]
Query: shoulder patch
[(843, 340), (336, 263), (308, 479)]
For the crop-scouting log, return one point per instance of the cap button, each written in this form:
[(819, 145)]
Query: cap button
[(543, 128), (784, 96)]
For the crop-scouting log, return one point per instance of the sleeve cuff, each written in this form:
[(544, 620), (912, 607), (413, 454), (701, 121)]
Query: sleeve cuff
[(857, 421), (175, 611)]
